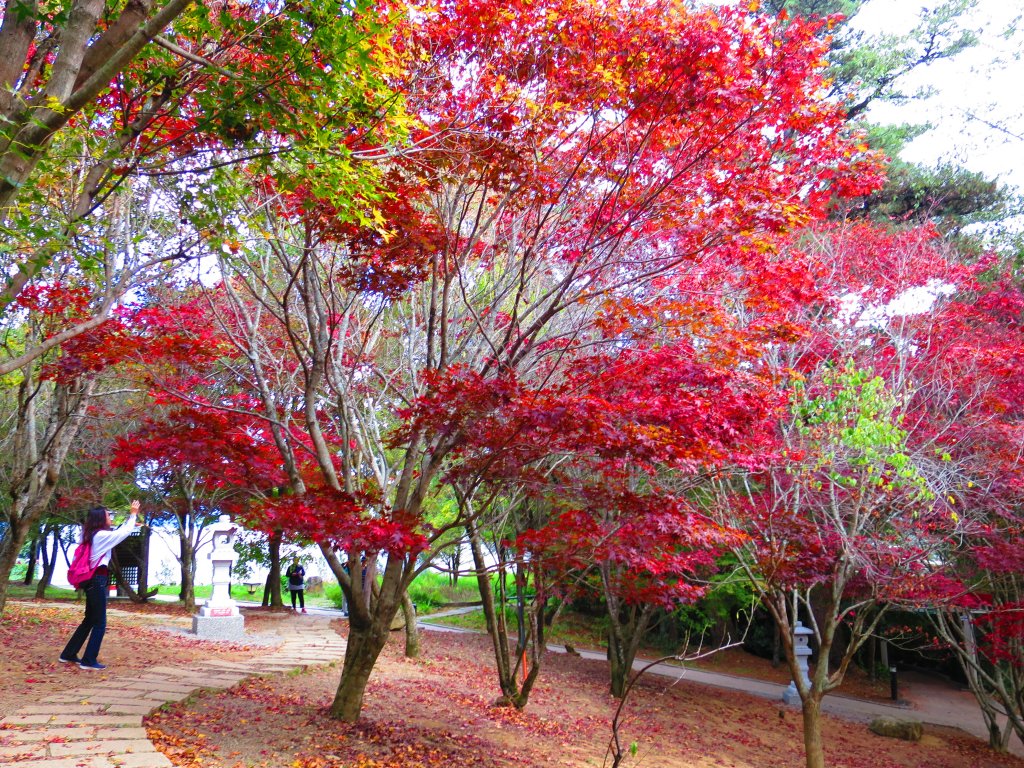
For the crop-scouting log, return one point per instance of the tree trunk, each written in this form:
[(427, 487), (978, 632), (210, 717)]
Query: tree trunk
[(8, 557), (144, 564), (619, 678), (412, 632), (622, 654), (49, 562), (873, 659), (998, 736), (620, 666), (31, 490), (364, 646), (368, 630), (624, 637), (266, 590), (30, 569), (997, 687), (274, 578), (813, 751), (495, 623), (188, 587), (123, 585), (530, 647)]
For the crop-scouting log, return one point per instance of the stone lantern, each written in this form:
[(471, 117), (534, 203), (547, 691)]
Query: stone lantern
[(802, 651), (219, 618)]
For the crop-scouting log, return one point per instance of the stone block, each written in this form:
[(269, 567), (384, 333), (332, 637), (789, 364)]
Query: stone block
[(60, 709), (25, 751), (107, 747), (125, 697), (158, 685), (92, 761), (110, 720), (26, 720), (147, 760), (104, 734), (45, 735), (132, 709), (225, 664), (166, 696), (219, 627), (896, 728)]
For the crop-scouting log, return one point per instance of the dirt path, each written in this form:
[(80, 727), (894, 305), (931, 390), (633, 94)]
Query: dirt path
[(927, 699)]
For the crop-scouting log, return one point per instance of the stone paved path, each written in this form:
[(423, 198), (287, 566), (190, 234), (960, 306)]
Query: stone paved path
[(100, 726)]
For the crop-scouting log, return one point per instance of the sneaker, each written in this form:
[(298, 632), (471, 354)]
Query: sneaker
[(93, 665), (303, 610), (72, 660)]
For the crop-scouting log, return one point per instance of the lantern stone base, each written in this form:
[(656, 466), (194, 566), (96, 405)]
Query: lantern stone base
[(219, 627)]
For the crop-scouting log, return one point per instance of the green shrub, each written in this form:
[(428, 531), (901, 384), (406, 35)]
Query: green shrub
[(476, 621), (332, 592), (432, 590), (429, 591)]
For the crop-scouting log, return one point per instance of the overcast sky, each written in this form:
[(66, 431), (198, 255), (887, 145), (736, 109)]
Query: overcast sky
[(986, 81)]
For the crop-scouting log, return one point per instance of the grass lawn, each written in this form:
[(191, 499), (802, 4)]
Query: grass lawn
[(431, 591), (16, 590), (19, 591), (572, 628), (241, 592)]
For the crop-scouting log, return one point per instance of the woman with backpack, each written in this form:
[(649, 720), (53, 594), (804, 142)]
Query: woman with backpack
[(297, 583), (100, 540)]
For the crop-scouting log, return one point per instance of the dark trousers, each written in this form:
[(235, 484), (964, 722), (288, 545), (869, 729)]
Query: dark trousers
[(302, 599), (94, 625)]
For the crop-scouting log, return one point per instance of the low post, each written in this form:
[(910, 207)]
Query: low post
[(802, 651), (219, 618)]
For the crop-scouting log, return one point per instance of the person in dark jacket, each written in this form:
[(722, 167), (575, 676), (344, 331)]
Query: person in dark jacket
[(297, 583)]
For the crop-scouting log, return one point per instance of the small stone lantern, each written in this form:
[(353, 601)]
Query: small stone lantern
[(802, 651), (219, 617)]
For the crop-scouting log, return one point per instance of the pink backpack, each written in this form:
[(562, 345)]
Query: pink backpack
[(80, 571)]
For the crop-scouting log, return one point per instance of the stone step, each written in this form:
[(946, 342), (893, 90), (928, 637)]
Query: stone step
[(61, 709), (130, 720), (20, 752), (94, 761), (105, 747), (148, 760), (131, 709)]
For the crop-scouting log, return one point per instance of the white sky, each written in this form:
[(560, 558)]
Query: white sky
[(987, 81)]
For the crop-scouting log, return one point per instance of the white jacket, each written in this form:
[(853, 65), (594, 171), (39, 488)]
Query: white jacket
[(103, 542)]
